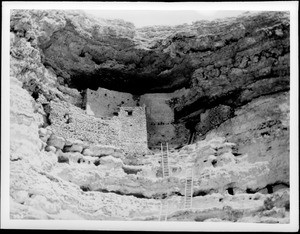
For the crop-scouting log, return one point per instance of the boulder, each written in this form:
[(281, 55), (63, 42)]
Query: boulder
[(73, 148), (42, 131), (111, 161), (50, 148), (44, 134), (103, 150), (56, 141), (72, 156), (87, 152), (70, 142)]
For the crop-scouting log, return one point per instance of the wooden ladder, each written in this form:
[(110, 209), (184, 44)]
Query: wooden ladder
[(188, 189), (163, 216), (165, 160)]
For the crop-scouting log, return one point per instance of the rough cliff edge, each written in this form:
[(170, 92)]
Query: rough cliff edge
[(236, 73)]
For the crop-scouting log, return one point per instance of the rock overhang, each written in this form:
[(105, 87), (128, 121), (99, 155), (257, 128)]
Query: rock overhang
[(161, 59), (259, 128)]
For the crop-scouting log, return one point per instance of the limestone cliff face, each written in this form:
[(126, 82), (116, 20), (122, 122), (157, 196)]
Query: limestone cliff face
[(206, 56), (261, 130), (227, 62), (234, 107)]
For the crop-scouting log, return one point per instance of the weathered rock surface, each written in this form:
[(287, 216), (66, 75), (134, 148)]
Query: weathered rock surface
[(261, 130), (88, 52), (104, 150), (252, 54), (37, 194), (73, 148), (56, 141), (236, 107)]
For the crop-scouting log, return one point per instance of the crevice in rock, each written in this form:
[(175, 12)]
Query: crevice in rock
[(269, 188), (33, 88), (15, 159), (214, 162), (200, 193), (137, 195), (176, 194), (236, 154), (47, 110), (250, 191), (83, 94), (192, 128), (85, 188), (82, 54), (48, 176)]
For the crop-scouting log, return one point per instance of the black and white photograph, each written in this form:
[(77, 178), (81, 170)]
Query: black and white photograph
[(150, 116)]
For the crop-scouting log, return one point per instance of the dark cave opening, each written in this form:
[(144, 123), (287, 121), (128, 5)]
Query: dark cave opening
[(80, 160), (250, 191), (123, 81), (269, 188), (97, 162), (200, 193), (35, 95), (191, 126), (230, 191), (137, 195), (214, 162)]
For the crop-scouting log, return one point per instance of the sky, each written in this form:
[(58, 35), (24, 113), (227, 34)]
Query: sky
[(141, 18)]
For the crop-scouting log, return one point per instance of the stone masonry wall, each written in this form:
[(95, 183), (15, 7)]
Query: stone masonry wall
[(133, 131), (159, 113), (160, 118), (126, 131), (104, 102), (71, 122)]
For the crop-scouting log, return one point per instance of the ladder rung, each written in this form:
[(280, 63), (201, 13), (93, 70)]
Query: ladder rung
[(188, 189)]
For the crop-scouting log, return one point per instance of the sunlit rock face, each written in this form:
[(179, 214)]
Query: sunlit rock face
[(219, 95)]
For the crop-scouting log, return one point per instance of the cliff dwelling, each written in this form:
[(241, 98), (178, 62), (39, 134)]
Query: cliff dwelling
[(109, 121), (158, 112)]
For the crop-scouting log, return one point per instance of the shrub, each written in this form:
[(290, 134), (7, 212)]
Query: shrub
[(268, 204)]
